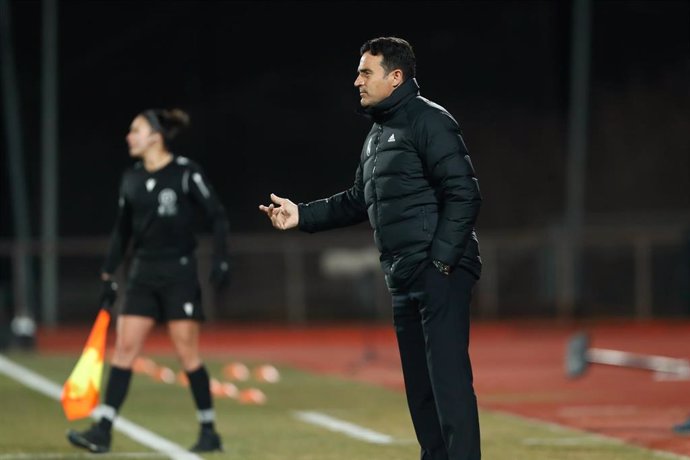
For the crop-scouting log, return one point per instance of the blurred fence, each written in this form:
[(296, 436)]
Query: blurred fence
[(292, 278)]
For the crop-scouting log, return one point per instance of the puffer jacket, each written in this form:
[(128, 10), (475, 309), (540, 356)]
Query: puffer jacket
[(415, 184)]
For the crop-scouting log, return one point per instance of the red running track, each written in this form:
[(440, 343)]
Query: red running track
[(519, 368)]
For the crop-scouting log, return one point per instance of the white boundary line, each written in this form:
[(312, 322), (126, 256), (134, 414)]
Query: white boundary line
[(341, 426), (49, 456), (138, 433), (564, 428)]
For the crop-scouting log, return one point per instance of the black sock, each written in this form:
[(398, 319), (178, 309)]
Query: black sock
[(200, 385), (115, 393)]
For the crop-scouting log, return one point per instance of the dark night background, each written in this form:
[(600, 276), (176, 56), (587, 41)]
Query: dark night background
[(269, 89)]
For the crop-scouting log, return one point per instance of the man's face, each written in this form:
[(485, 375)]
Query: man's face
[(372, 82)]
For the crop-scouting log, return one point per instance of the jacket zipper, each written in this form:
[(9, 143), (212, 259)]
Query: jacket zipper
[(373, 175)]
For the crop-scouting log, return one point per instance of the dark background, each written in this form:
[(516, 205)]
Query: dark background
[(269, 89)]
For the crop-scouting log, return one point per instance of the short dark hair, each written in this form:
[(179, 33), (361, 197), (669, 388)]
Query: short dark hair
[(397, 54)]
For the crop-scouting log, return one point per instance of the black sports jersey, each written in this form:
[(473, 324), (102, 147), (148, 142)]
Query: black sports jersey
[(157, 212)]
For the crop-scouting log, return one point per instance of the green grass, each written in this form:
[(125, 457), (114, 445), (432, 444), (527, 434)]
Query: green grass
[(31, 423)]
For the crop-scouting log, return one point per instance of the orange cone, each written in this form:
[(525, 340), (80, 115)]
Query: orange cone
[(165, 374), (267, 373), (216, 388), (252, 396), (145, 366), (182, 378), (236, 371), (230, 390)]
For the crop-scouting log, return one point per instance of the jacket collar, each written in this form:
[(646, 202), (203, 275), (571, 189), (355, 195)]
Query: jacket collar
[(387, 107)]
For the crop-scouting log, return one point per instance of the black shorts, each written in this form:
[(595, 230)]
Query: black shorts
[(164, 289)]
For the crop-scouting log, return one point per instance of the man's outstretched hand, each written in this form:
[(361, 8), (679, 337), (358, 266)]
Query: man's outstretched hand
[(284, 214)]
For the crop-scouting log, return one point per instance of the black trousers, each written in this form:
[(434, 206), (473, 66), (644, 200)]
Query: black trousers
[(432, 325)]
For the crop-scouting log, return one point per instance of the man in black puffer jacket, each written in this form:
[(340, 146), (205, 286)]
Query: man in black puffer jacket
[(418, 189)]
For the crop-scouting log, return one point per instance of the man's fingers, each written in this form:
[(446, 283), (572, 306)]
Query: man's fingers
[(278, 214), (270, 210), (276, 199)]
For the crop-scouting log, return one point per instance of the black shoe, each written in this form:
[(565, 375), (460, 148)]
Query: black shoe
[(682, 428), (209, 441), (95, 439)]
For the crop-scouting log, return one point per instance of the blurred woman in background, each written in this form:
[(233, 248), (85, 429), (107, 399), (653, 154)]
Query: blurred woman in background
[(158, 198)]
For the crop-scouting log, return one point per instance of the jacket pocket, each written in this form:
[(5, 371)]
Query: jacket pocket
[(429, 221)]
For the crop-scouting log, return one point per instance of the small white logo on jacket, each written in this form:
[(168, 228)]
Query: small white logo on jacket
[(167, 202), (392, 138)]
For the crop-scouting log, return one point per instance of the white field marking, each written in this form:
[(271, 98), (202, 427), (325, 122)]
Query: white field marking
[(670, 377), (556, 427), (138, 433), (573, 441), (669, 455), (341, 426), (52, 456)]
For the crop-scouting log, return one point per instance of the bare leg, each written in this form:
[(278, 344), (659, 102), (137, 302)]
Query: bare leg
[(185, 335), (131, 334)]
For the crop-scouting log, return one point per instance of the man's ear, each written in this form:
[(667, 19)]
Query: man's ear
[(397, 76)]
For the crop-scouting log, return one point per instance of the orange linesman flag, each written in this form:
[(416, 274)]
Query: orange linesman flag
[(81, 391)]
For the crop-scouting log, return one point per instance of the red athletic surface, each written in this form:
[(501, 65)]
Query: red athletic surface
[(518, 367)]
